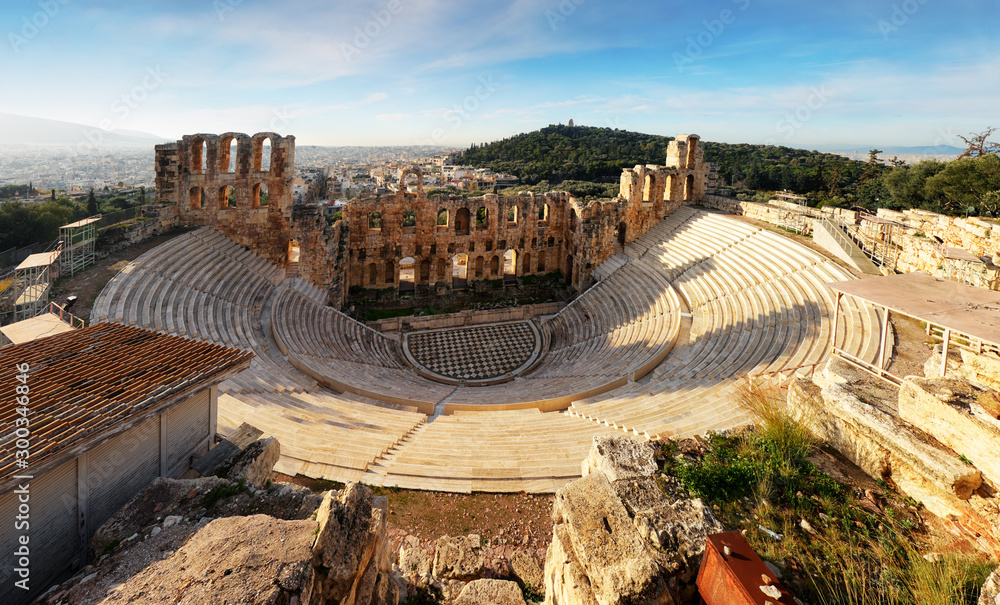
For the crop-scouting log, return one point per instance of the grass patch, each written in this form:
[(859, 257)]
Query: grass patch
[(222, 492), (835, 549)]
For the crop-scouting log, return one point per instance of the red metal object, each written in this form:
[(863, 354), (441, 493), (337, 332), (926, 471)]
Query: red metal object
[(732, 574)]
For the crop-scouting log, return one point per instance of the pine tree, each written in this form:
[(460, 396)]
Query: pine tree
[(91, 204)]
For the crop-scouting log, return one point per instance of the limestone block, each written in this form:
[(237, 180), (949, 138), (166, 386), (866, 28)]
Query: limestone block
[(459, 558), (983, 370), (620, 566), (879, 443), (990, 594), (619, 457), (490, 592), (566, 581), (924, 404), (413, 560), (255, 462), (526, 571)]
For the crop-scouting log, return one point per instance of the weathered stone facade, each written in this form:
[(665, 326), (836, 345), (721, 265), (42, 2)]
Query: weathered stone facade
[(231, 182), (409, 241)]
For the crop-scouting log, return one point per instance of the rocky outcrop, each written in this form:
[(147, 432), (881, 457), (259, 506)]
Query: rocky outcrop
[(254, 463), (622, 540), (459, 558), (921, 462), (490, 592), (990, 594)]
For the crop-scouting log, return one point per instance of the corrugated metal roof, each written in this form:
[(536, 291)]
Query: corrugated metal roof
[(88, 381)]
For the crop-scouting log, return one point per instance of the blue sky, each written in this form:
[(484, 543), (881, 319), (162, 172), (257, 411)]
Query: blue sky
[(803, 74)]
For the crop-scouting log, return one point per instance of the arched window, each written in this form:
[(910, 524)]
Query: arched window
[(460, 271), (228, 151), (512, 215), (442, 220), (259, 196), (647, 188), (262, 155), (227, 197), (441, 268), (494, 266), (479, 267), (425, 271), (374, 220), (407, 267), (689, 188), (482, 218), (692, 152), (409, 218), (462, 221), (543, 212), (199, 156), (541, 262), (197, 198), (526, 263)]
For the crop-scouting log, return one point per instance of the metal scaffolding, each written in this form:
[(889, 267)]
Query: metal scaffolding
[(32, 282), (78, 244)]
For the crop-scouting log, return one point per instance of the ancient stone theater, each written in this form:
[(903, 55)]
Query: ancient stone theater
[(637, 314)]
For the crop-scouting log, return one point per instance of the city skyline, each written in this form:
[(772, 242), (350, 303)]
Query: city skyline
[(410, 72)]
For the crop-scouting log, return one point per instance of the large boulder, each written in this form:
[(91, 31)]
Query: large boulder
[(459, 558), (254, 464), (490, 592), (623, 540)]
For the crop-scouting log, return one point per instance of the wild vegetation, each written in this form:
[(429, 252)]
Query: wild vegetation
[(23, 223), (835, 545)]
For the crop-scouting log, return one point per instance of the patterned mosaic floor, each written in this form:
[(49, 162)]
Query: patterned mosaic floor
[(476, 353)]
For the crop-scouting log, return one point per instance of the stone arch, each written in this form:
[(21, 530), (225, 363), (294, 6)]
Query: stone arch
[(442, 217), (259, 196), (409, 218), (390, 273), (262, 158), (692, 151), (526, 263), (689, 188), (512, 215), (622, 233), (648, 187), (462, 219), (228, 154), (459, 271), (415, 170), (375, 220), (199, 155), (543, 213), (372, 275), (425, 271), (196, 196), (442, 268), (510, 265), (227, 197), (479, 267), (482, 217), (495, 266), (407, 270), (668, 191)]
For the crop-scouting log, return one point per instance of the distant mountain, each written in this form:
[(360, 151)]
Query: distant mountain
[(18, 130)]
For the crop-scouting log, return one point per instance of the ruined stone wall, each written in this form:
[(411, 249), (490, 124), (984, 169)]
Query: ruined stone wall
[(322, 251), (245, 190)]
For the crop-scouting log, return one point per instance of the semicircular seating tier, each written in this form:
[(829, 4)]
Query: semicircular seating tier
[(655, 349)]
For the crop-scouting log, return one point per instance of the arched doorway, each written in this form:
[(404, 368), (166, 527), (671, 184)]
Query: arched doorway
[(510, 267), (407, 267), (689, 188), (479, 267), (460, 271)]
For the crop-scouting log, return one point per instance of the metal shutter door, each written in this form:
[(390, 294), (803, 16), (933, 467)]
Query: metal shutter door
[(54, 542), (121, 468), (187, 430)]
